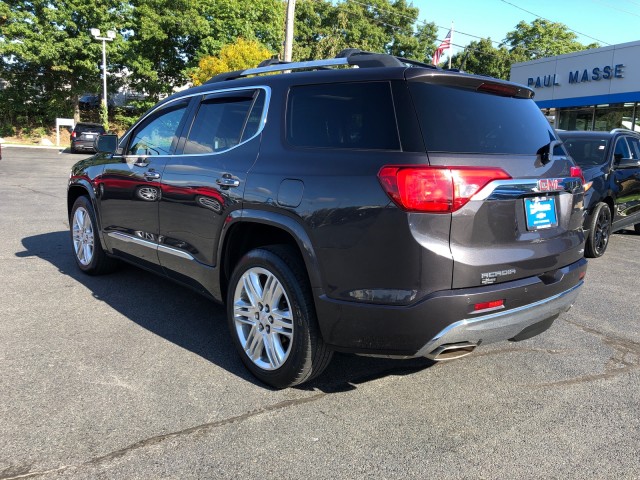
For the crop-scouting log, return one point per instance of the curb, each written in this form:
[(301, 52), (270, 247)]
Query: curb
[(17, 145)]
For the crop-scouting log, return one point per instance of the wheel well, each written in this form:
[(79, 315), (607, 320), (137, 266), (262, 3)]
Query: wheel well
[(246, 236), (609, 201), (72, 195)]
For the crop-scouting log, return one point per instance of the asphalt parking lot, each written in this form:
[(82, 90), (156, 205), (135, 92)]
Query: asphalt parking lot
[(131, 376)]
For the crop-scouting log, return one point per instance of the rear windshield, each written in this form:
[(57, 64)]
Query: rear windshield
[(587, 152), (80, 128), (459, 120)]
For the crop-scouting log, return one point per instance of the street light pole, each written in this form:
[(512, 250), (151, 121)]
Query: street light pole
[(110, 36), (288, 32)]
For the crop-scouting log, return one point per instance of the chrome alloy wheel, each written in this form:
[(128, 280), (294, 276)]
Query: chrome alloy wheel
[(263, 318), (83, 238)]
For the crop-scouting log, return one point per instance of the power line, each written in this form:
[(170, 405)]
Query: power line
[(619, 9), (424, 22), (465, 48), (536, 15)]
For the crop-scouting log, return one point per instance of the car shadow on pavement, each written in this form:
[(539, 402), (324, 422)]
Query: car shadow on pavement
[(192, 321)]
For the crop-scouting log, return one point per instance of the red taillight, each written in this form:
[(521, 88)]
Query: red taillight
[(435, 189), (577, 173), (73, 134)]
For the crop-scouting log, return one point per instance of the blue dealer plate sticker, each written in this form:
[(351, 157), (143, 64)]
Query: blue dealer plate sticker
[(540, 212)]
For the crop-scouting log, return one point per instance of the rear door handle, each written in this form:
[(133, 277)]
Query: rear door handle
[(151, 175)]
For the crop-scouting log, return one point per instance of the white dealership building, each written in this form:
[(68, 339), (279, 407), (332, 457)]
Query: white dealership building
[(597, 89)]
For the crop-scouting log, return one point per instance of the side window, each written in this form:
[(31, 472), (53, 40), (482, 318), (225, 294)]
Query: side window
[(622, 149), (158, 134), (347, 115), (634, 145), (253, 122), (222, 120)]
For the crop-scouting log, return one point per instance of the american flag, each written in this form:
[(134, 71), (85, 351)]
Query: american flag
[(446, 44)]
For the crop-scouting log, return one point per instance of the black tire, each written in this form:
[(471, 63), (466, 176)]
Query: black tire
[(295, 351), (599, 231), (85, 242)]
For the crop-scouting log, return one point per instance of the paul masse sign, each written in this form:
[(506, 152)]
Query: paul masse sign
[(595, 74)]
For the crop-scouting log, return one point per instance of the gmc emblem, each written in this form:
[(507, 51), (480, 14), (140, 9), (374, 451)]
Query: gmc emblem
[(548, 184)]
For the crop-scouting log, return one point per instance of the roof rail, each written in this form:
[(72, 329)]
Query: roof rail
[(348, 57), (623, 130)]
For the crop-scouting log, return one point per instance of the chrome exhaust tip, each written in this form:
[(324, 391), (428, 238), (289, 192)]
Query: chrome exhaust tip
[(452, 351)]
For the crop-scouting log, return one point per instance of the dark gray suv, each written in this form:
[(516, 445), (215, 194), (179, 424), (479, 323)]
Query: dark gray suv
[(611, 165), (391, 209)]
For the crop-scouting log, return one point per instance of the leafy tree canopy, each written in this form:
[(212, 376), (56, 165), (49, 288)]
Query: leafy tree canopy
[(323, 29), (542, 38), (239, 55), (47, 54), (49, 58), (482, 58)]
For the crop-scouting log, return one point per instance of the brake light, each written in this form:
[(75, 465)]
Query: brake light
[(435, 189), (577, 173), (498, 89), (73, 134)]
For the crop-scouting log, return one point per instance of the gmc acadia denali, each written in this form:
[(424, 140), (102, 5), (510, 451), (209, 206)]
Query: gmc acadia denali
[(365, 203)]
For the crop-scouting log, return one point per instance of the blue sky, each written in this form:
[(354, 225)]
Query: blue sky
[(609, 21)]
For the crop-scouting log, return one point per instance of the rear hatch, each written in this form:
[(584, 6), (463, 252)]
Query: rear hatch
[(518, 211), (88, 133)]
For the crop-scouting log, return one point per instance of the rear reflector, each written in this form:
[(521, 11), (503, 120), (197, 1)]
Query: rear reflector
[(435, 189), (492, 305)]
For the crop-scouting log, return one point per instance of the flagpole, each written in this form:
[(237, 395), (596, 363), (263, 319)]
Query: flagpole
[(451, 42)]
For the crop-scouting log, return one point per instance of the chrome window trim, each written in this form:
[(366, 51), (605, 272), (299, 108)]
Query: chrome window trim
[(263, 118)]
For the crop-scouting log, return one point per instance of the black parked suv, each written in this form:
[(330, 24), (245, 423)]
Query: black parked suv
[(84, 135), (611, 165), (393, 209)]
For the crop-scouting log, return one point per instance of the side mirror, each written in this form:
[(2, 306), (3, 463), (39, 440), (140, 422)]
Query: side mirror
[(626, 162), (106, 143)]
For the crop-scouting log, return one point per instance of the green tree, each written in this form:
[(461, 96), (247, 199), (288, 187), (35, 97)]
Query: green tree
[(162, 39), (48, 56), (482, 58), (166, 38), (322, 29), (542, 38), (260, 20), (239, 55)]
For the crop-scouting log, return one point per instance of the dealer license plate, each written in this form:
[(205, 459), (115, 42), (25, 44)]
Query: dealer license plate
[(540, 212)]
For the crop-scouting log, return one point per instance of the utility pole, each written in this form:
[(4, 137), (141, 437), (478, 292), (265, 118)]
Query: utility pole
[(288, 31), (109, 38)]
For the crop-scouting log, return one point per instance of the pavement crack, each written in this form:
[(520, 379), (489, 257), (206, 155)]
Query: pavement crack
[(39, 192), (625, 358), (198, 429)]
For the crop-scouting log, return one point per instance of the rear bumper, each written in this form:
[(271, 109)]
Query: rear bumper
[(448, 317), (83, 145), (504, 325)]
